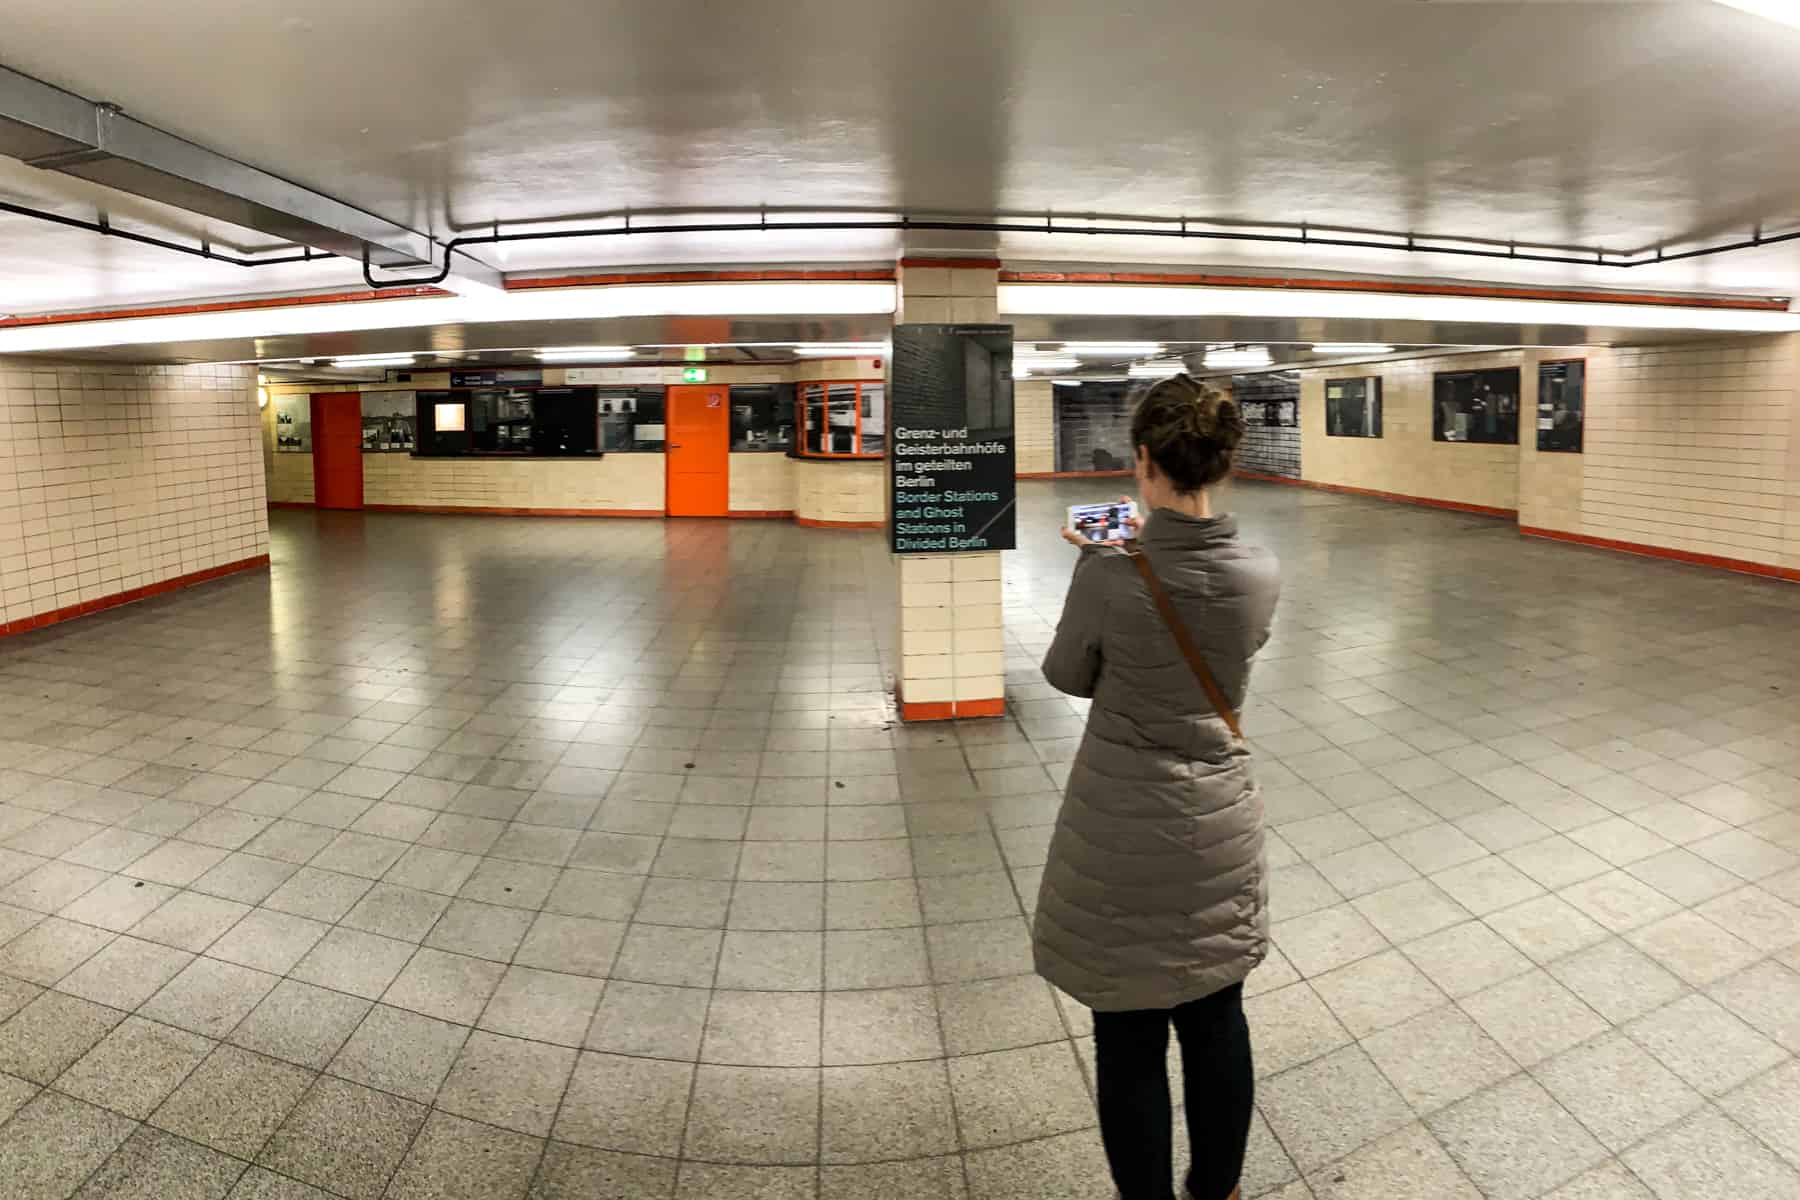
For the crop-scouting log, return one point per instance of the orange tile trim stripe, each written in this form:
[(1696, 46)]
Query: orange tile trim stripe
[(954, 264), (470, 510), (760, 514), (879, 274), (413, 293), (1399, 497), (57, 616), (1071, 474), (951, 710), (816, 523), (1739, 565), (1308, 283), (175, 310)]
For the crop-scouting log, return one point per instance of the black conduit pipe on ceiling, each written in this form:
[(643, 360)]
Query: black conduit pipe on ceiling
[(103, 227), (1304, 238)]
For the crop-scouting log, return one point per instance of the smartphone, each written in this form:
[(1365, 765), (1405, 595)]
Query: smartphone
[(1103, 522)]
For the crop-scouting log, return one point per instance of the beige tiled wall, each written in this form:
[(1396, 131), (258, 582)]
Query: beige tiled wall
[(845, 491), (1405, 460), (114, 478), (762, 483), (951, 635), (613, 482), (940, 295), (290, 478), (1034, 424), (1693, 448)]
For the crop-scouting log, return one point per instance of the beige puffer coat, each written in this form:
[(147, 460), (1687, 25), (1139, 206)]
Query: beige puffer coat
[(1155, 892)]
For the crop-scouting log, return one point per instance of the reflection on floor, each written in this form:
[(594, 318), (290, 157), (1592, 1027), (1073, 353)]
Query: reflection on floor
[(493, 858)]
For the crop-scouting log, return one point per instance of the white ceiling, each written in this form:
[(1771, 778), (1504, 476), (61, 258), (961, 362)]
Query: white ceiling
[(1617, 124)]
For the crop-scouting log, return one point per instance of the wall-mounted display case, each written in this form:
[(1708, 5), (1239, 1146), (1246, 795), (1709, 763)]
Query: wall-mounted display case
[(293, 424), (389, 422), (1562, 405), (1353, 407), (1476, 406)]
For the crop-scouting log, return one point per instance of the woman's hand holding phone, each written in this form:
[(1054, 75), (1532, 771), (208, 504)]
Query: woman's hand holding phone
[(1133, 525)]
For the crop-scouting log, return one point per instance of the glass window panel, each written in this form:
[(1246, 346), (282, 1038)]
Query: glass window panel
[(762, 417), (842, 426), (1562, 404), (813, 405), (874, 418), (1476, 406)]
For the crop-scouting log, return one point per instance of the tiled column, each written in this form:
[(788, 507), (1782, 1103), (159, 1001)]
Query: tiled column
[(952, 637)]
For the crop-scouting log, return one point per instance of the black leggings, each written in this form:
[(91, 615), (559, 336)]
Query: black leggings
[(1219, 1083)]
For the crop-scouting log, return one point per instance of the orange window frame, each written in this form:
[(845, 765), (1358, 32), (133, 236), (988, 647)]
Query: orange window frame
[(856, 451)]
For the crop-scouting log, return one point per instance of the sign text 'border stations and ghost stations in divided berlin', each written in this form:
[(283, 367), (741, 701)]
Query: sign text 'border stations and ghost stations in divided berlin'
[(950, 445)]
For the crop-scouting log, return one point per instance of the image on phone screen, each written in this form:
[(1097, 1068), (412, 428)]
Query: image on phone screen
[(1102, 522)]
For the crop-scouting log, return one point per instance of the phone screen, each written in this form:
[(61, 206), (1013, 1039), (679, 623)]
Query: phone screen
[(1102, 522)]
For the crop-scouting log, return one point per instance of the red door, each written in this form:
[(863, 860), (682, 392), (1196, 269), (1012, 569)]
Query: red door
[(699, 450), (337, 450)]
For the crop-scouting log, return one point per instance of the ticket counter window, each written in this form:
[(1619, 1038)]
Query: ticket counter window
[(511, 422), (843, 420), (762, 417), (632, 419)]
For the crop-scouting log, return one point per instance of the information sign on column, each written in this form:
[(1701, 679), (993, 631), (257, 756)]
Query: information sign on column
[(951, 484)]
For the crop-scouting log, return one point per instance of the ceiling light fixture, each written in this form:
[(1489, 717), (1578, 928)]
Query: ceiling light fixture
[(1046, 362), (1785, 11), (1155, 370), (548, 304), (1156, 300), (373, 360), (839, 350), (1113, 349), (1351, 348), (1238, 358), (586, 353)]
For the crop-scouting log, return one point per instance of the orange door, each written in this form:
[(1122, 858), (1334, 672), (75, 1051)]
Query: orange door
[(699, 450), (337, 450)]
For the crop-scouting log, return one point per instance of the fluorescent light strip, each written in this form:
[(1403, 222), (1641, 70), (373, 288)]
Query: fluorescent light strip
[(373, 360), (1220, 360), (1113, 349), (1351, 348), (1155, 370), (1785, 11), (1147, 300), (844, 350), (550, 304), (1046, 362), (586, 354)]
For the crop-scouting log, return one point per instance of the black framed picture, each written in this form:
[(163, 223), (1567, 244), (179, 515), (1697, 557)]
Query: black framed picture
[(1476, 406), (1562, 405), (1353, 407)]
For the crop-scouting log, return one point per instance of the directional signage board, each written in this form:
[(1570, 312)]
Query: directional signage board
[(951, 485)]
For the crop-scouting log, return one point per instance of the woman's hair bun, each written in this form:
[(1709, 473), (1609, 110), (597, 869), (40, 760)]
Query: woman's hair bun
[(1190, 429)]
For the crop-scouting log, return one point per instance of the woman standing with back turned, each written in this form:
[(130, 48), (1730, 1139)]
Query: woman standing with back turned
[(1154, 902)]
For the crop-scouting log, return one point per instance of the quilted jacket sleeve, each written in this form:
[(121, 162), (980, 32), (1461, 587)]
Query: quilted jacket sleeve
[(1073, 662)]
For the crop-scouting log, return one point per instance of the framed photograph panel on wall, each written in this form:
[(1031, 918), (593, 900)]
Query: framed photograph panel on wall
[(1353, 407), (1476, 406), (389, 422), (1562, 405), (293, 424)]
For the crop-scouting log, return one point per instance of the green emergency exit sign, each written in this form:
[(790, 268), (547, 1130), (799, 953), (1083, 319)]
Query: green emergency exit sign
[(693, 374)]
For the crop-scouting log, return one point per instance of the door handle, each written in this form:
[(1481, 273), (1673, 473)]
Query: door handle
[(674, 445)]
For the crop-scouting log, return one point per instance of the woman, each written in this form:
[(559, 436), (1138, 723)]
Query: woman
[(1154, 901)]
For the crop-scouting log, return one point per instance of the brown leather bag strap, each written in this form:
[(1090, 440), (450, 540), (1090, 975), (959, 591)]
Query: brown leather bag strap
[(1189, 650)]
